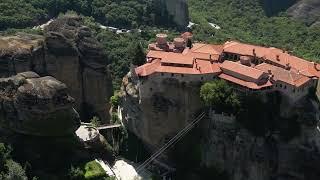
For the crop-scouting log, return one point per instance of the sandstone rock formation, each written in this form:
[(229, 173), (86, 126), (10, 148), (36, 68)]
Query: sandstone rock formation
[(161, 109), (68, 52), (245, 156), (77, 59), (36, 105), (306, 10), (178, 10)]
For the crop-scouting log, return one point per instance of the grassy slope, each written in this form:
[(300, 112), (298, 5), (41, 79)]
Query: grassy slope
[(245, 20)]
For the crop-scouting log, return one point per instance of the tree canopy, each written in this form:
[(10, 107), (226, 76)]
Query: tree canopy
[(220, 96)]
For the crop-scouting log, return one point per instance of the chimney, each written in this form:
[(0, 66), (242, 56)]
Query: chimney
[(161, 39), (269, 71), (288, 67), (278, 58), (254, 52), (210, 57), (179, 43)]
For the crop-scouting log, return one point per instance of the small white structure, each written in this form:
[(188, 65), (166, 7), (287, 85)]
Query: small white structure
[(103, 27), (41, 27), (87, 133), (191, 24), (215, 26), (125, 170)]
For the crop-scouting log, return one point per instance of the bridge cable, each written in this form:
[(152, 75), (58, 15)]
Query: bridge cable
[(173, 141)]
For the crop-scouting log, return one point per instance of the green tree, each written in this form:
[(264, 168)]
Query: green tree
[(138, 55), (95, 121), (14, 171), (219, 95), (76, 173), (115, 100)]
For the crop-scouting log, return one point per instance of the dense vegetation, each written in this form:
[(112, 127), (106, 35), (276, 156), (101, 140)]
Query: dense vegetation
[(123, 14), (9, 169), (247, 21), (220, 96)]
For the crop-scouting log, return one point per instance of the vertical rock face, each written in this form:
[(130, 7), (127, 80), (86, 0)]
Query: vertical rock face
[(245, 156), (178, 10), (156, 110), (36, 105), (307, 11), (160, 109), (67, 52), (77, 59)]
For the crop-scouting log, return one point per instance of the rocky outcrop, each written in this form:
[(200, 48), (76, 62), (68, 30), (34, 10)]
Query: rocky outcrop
[(245, 156), (178, 10), (69, 52), (36, 105), (156, 110), (306, 10), (77, 59), (160, 109)]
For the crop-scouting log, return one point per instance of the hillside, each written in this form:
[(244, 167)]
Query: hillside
[(247, 21), (306, 10), (123, 14)]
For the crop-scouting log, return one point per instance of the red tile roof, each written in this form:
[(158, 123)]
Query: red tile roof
[(199, 67), (276, 56), (283, 75), (177, 58), (205, 59), (247, 84), (242, 70)]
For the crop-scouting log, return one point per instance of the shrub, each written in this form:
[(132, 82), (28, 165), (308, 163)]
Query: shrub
[(94, 170), (115, 100), (219, 95), (76, 173), (95, 121)]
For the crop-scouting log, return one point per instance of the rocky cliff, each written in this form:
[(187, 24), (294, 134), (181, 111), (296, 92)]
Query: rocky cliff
[(178, 10), (157, 110), (36, 105), (68, 52), (244, 156), (306, 10)]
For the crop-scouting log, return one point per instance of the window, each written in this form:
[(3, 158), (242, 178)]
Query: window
[(280, 85), (293, 90), (172, 74), (201, 78), (285, 87), (162, 74), (182, 75)]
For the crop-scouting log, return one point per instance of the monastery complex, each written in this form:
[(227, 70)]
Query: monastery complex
[(248, 68)]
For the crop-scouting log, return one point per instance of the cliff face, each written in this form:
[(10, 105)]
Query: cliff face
[(160, 109), (306, 10), (36, 105), (67, 52), (245, 156), (178, 10)]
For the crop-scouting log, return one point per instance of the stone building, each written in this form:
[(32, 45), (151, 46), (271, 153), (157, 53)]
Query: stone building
[(249, 68)]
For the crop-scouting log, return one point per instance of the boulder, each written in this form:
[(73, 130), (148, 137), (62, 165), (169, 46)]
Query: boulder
[(68, 52), (36, 105)]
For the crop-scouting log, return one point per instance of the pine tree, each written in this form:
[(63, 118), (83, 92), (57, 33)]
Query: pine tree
[(138, 55)]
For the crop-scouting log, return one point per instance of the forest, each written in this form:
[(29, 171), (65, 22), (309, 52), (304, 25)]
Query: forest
[(251, 21)]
